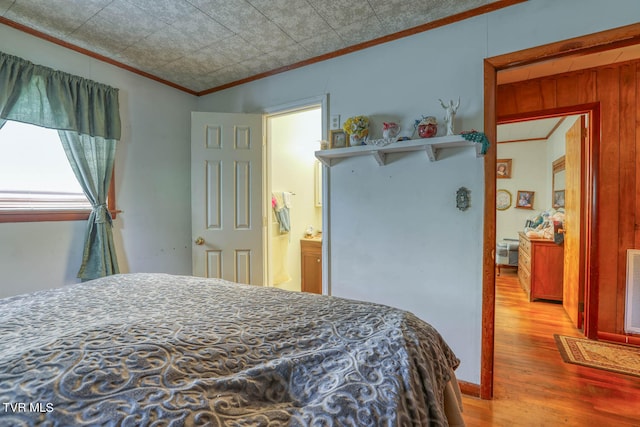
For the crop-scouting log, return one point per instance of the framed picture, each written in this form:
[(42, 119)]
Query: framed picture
[(338, 139), (558, 199), (525, 199), (503, 168)]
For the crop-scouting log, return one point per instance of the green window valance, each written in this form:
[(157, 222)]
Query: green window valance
[(49, 98)]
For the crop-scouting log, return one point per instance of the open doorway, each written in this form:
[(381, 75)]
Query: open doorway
[(293, 178), (533, 155)]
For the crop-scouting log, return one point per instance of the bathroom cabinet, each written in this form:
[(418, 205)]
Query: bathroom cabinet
[(311, 259)]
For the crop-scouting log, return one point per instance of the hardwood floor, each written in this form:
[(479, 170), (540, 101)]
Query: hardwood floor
[(533, 386)]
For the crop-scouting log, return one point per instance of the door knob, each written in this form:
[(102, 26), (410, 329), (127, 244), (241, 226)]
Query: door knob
[(199, 241)]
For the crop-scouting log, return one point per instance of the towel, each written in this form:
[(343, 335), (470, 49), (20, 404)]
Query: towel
[(281, 203)]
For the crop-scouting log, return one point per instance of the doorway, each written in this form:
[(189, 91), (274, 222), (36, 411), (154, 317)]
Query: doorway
[(293, 183), (536, 152)]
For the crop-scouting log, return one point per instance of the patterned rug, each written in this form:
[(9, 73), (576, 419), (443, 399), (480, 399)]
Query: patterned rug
[(600, 355)]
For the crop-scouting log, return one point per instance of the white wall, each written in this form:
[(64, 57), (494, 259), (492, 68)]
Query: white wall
[(529, 172), (414, 249), (152, 181)]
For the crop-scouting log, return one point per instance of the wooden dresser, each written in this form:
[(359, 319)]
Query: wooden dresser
[(311, 259), (540, 268)]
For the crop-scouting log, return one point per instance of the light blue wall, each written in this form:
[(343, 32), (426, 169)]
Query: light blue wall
[(153, 232), (407, 245)]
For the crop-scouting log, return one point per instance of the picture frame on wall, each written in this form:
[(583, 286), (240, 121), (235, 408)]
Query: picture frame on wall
[(525, 199), (558, 199), (503, 168), (337, 139)]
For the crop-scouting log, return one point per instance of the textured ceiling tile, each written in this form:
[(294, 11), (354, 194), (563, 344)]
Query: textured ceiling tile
[(125, 15), (199, 25), (267, 37), (4, 6), (296, 17), (236, 15), (167, 11), (234, 48), (323, 43), (54, 16), (361, 30), (230, 74), (103, 35), (339, 13), (149, 56), (172, 42), (196, 66)]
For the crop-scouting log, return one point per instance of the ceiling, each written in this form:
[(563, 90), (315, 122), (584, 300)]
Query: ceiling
[(531, 130), (206, 45)]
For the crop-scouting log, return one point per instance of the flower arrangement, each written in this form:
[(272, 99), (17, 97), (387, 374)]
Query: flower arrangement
[(357, 126)]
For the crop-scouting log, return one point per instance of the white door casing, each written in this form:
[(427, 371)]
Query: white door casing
[(226, 196)]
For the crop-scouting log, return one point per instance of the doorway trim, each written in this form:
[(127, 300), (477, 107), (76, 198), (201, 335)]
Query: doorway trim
[(282, 109), (597, 42)]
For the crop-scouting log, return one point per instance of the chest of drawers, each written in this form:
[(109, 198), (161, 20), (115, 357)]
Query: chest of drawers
[(540, 268)]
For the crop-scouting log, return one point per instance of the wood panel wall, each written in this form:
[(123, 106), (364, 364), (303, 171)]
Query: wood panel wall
[(616, 88)]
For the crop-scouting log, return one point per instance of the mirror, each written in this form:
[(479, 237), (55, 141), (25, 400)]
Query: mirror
[(557, 183)]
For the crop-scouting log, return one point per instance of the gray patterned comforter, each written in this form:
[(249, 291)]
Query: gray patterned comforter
[(142, 349)]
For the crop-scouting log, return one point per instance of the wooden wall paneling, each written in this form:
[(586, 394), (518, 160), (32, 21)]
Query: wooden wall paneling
[(549, 93), (586, 88), (508, 96), (627, 190), (637, 162), (567, 90), (530, 97), (608, 194)]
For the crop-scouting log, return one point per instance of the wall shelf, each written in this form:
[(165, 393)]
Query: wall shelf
[(430, 146)]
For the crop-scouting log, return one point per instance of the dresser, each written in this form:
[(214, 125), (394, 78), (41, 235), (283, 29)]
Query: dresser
[(311, 268), (540, 268)]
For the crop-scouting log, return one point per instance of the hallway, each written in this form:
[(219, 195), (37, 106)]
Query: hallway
[(533, 386)]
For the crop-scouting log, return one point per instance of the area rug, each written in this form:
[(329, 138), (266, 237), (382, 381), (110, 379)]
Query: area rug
[(600, 355)]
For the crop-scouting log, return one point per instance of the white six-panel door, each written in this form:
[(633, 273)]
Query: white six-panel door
[(226, 196)]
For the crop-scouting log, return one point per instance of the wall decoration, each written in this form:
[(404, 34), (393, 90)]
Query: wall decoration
[(503, 200), (503, 168), (450, 115), (525, 199), (427, 127), (558, 199), (338, 139), (358, 129), (462, 198)]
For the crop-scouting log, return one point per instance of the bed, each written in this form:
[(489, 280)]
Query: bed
[(142, 349)]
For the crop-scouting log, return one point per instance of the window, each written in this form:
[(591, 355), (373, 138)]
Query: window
[(36, 180)]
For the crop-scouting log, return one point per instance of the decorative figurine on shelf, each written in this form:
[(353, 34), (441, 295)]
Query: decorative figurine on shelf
[(358, 129), (427, 127), (390, 130), (450, 114)]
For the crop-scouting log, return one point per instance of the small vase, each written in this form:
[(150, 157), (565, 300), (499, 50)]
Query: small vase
[(355, 140), (427, 130)]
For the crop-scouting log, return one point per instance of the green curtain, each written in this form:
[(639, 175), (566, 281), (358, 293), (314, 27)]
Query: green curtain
[(87, 117), (92, 159), (45, 97)]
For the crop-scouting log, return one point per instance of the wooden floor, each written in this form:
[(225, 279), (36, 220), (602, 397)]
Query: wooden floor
[(533, 386)]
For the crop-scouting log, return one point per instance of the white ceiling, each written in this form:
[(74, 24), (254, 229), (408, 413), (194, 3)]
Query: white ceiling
[(200, 45), (531, 130)]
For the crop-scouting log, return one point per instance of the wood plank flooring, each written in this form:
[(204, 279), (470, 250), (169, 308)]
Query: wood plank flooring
[(533, 386)]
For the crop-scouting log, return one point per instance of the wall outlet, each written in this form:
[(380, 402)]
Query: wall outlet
[(335, 121)]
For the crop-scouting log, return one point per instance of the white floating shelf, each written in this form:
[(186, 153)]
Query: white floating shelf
[(430, 145)]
